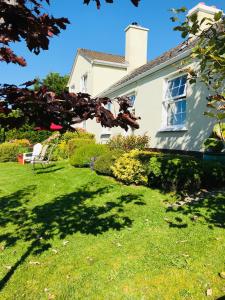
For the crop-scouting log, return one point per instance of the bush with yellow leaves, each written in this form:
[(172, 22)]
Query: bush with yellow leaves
[(129, 169)]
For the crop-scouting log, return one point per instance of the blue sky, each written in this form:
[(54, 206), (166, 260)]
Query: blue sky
[(101, 30)]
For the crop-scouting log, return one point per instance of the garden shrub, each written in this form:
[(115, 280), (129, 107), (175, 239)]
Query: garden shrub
[(22, 142), (76, 143), (104, 163), (128, 143), (175, 173), (34, 136), (9, 151), (213, 174), (61, 151), (78, 134), (213, 145), (83, 154), (129, 169)]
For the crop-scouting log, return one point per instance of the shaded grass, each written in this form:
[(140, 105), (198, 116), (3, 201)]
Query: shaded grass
[(71, 234)]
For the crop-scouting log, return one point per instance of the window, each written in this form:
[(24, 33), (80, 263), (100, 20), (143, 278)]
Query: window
[(175, 101), (132, 99), (83, 84)]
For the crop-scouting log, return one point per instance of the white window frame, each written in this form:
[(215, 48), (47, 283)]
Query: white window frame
[(131, 93), (169, 100), (83, 83)]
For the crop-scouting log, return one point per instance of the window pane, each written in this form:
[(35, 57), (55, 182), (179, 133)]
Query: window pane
[(184, 79), (176, 113), (176, 87), (176, 82), (132, 99), (175, 92), (181, 90)]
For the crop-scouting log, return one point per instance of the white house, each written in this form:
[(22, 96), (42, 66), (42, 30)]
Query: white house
[(171, 110)]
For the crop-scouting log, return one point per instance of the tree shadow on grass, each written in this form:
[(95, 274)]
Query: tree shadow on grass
[(47, 169), (210, 210), (79, 211)]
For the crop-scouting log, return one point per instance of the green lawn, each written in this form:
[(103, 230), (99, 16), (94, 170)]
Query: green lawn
[(68, 233)]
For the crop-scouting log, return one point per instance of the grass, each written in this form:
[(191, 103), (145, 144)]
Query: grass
[(68, 233)]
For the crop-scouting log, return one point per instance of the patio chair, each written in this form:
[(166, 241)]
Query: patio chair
[(44, 157), (29, 156)]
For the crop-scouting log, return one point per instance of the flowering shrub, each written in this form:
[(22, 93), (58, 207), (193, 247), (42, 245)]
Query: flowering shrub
[(129, 169), (129, 142), (21, 142)]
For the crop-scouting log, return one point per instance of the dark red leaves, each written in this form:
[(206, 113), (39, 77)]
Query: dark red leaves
[(43, 107), (7, 55), (24, 21)]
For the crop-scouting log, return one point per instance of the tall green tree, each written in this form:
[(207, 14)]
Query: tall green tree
[(54, 82)]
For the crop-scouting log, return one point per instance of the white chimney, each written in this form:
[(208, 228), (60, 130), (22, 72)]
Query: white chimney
[(136, 46), (203, 11)]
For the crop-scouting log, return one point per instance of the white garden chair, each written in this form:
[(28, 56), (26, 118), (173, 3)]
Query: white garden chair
[(30, 156), (44, 157)]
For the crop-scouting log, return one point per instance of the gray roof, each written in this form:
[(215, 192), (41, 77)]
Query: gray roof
[(96, 55), (184, 46)]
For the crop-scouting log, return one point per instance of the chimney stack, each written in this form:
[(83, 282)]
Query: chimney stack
[(136, 46), (203, 11)]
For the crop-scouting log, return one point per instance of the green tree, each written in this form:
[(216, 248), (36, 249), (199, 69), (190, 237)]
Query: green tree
[(54, 82)]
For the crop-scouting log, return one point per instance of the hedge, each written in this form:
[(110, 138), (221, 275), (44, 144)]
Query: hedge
[(34, 136), (9, 151), (84, 154), (175, 173), (103, 164), (73, 144)]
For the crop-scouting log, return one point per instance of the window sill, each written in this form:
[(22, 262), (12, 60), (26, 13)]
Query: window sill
[(173, 128)]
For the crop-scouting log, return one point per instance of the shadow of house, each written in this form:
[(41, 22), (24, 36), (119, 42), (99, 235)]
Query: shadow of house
[(79, 211)]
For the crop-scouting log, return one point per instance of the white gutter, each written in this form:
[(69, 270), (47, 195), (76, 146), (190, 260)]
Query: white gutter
[(108, 63), (140, 76)]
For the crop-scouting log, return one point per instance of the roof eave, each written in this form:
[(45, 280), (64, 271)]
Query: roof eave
[(109, 63), (148, 72)]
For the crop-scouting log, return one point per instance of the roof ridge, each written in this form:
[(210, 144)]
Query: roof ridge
[(100, 52)]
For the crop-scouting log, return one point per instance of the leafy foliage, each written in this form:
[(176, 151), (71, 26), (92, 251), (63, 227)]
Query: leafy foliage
[(129, 142), (75, 143), (213, 145), (84, 154), (26, 20), (54, 82), (9, 151), (103, 164), (28, 132), (213, 174), (78, 134), (44, 107), (209, 53), (129, 169), (68, 144), (174, 173)]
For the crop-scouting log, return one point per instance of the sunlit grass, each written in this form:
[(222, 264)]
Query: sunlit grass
[(68, 233)]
